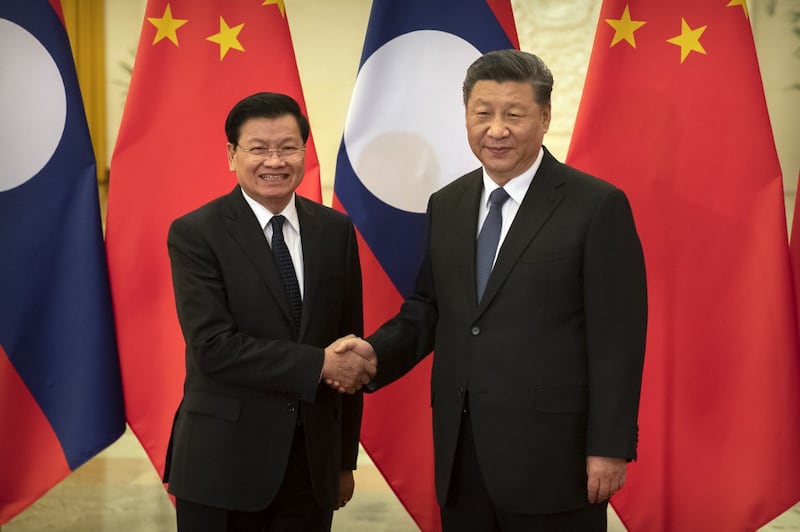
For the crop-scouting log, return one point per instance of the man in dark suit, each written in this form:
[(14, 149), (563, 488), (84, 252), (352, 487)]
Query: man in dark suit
[(264, 280), (532, 293)]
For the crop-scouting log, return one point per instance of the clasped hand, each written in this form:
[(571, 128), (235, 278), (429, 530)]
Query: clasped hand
[(350, 363)]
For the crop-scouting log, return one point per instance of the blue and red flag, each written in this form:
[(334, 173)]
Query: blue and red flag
[(60, 392), (404, 138)]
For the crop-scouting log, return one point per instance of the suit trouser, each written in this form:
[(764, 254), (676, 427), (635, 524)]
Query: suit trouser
[(470, 508), (294, 508)]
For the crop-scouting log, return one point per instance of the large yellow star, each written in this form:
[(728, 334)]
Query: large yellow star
[(167, 26), (227, 38), (743, 3), (688, 40), (624, 28), (279, 3)]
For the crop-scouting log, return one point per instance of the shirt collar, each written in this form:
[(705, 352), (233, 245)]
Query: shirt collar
[(264, 215), (517, 186)]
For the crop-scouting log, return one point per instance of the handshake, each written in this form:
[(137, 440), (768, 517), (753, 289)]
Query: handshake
[(350, 363)]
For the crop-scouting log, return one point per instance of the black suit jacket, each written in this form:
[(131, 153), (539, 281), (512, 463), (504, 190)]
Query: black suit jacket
[(551, 357), (249, 374)]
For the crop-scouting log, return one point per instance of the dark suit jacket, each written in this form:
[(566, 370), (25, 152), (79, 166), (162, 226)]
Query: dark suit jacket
[(552, 356), (249, 374)]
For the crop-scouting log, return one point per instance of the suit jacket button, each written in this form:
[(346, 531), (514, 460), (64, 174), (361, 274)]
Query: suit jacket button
[(475, 330), (292, 407)]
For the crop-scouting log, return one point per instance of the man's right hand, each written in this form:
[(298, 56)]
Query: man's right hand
[(348, 364)]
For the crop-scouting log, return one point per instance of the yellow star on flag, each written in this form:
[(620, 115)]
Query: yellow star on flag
[(688, 40), (227, 38), (280, 5), (167, 26), (743, 3), (624, 28)]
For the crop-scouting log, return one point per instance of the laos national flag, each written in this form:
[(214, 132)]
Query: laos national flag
[(405, 138), (60, 396)]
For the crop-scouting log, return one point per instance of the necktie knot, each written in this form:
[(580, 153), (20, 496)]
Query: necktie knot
[(277, 225), (498, 197)]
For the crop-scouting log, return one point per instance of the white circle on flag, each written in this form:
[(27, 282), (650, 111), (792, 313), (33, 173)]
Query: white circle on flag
[(405, 134), (33, 105)]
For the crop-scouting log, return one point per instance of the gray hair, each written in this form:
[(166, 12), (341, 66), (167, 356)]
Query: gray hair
[(511, 65)]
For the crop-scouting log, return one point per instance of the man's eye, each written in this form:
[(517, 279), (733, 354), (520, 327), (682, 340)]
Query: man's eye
[(287, 150), (257, 150)]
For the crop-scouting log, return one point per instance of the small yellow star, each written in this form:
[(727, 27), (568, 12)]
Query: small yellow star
[(624, 28), (167, 26), (688, 40), (280, 5), (743, 3), (227, 38)]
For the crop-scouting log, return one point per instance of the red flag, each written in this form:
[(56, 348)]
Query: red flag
[(195, 61), (673, 112), (405, 138)]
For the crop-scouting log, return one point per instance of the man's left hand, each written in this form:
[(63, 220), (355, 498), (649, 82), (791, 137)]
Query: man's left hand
[(605, 475), (347, 485)]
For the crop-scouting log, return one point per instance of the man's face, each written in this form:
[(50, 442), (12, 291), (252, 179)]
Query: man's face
[(268, 178), (505, 127)]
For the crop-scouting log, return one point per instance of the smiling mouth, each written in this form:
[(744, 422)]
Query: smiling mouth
[(497, 149), (272, 177)]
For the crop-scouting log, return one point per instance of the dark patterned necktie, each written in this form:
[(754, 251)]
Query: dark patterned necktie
[(488, 239), (286, 268)]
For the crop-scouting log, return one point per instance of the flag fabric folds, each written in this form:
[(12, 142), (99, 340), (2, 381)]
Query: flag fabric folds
[(795, 249), (194, 62), (404, 138), (59, 374), (674, 113)]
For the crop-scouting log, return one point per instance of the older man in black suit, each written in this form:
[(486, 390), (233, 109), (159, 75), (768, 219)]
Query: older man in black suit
[(264, 280), (532, 292)]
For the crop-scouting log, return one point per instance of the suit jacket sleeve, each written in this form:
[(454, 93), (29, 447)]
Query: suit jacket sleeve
[(409, 337), (353, 323), (615, 298)]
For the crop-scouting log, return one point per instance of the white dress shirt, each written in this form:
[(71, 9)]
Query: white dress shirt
[(516, 188), (291, 232)]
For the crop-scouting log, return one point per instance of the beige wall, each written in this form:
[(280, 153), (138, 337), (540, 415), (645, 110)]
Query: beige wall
[(328, 35)]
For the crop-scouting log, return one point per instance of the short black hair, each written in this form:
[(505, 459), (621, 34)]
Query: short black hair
[(264, 105), (511, 65)]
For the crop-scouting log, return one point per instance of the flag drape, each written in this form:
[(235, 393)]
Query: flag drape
[(795, 249), (60, 393), (404, 138), (673, 112), (194, 62)]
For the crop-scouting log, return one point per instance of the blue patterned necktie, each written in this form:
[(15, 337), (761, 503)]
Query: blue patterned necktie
[(286, 269), (488, 239)]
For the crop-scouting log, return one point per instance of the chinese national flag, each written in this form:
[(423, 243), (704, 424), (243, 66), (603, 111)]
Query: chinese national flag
[(673, 112), (195, 61)]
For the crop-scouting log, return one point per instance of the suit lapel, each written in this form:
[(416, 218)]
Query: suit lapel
[(463, 241), (541, 200), (312, 239), (243, 227)]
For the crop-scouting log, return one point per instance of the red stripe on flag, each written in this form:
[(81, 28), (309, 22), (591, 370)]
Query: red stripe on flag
[(505, 16), (31, 459), (794, 248), (387, 411)]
